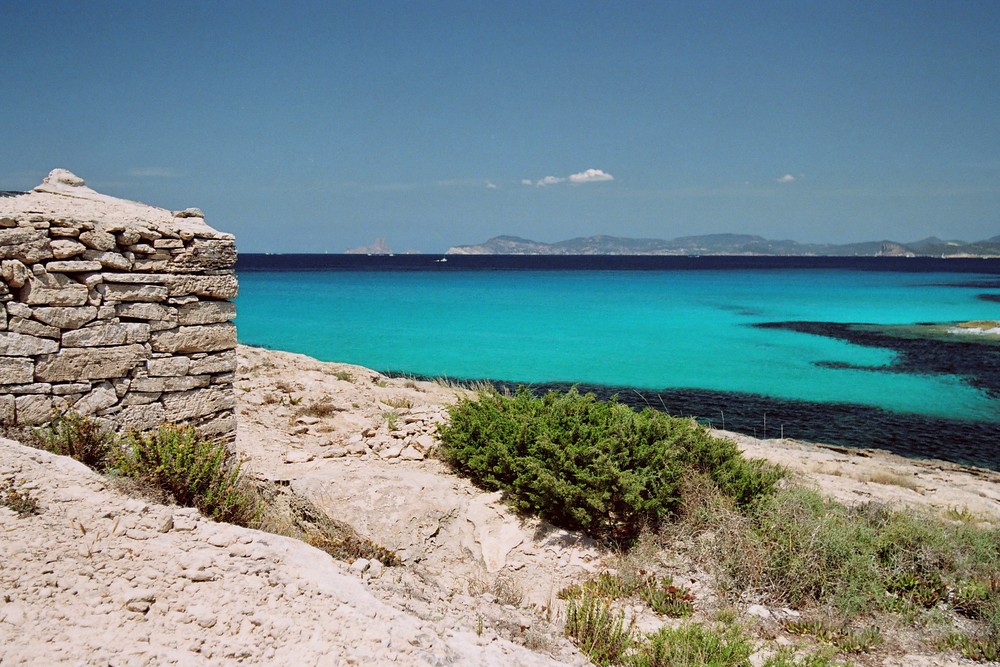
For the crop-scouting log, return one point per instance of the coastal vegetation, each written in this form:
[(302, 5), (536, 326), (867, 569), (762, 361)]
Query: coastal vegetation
[(843, 573), (589, 465)]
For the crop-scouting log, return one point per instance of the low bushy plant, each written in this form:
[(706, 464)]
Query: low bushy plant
[(600, 633), (71, 434), (583, 464), (694, 645), (196, 472)]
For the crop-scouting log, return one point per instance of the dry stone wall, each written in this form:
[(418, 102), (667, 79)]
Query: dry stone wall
[(114, 309)]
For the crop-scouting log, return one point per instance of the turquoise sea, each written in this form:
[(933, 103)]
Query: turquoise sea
[(725, 332)]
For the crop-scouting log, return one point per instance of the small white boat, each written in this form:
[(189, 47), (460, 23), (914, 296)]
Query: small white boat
[(443, 259)]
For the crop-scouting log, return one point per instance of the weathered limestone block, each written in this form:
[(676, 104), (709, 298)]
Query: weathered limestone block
[(32, 328), (33, 409), (101, 335), (3, 317), (206, 312), (82, 364), (65, 318), (221, 426), (143, 417), (69, 266), (14, 272), (161, 384), (204, 338), (168, 366), (70, 388), (209, 287), (21, 345), (33, 388), (65, 249), (129, 236), (133, 292), (35, 294), (16, 370), (136, 278), (102, 397), (18, 309), (140, 398), (168, 243), (223, 362), (146, 311), (98, 240), (25, 244), (109, 260), (198, 403), (205, 254), (7, 409), (140, 264)]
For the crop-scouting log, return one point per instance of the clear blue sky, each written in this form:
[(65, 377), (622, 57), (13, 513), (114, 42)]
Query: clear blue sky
[(315, 127)]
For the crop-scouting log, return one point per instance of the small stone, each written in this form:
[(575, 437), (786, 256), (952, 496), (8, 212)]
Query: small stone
[(359, 566), (298, 457)]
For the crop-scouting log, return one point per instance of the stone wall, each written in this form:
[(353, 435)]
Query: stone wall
[(114, 309)]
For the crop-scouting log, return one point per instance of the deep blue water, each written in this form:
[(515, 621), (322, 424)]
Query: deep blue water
[(762, 343)]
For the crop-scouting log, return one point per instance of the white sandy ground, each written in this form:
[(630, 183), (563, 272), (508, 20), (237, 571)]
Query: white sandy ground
[(100, 578)]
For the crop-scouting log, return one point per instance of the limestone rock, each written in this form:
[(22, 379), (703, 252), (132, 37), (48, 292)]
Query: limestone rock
[(65, 317), (14, 272), (65, 248), (32, 328), (102, 335), (98, 240), (168, 366), (209, 287), (222, 362), (205, 338), (33, 409), (21, 345), (79, 266), (133, 292), (146, 311), (206, 312), (16, 370), (198, 403), (101, 397), (83, 364), (35, 294), (24, 244)]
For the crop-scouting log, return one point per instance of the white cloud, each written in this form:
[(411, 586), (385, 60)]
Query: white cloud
[(587, 176), (154, 172), (591, 176), (490, 185), (787, 178), (549, 180)]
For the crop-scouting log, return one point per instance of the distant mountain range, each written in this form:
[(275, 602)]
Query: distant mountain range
[(728, 244)]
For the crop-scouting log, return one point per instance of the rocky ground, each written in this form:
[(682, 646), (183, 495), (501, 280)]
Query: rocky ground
[(99, 577)]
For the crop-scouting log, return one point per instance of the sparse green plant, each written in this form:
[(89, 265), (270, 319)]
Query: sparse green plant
[(600, 633), (19, 501), (786, 657), (195, 471), (398, 403), (391, 418), (71, 434), (665, 598), (321, 408), (344, 376), (982, 647), (694, 645), (504, 589)]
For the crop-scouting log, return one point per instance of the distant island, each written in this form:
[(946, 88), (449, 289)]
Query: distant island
[(729, 244)]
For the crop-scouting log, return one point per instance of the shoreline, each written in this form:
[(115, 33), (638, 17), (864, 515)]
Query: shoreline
[(849, 474)]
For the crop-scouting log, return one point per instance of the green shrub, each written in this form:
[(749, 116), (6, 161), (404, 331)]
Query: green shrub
[(798, 549), (694, 645), (70, 434), (600, 634), (196, 472), (582, 464)]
